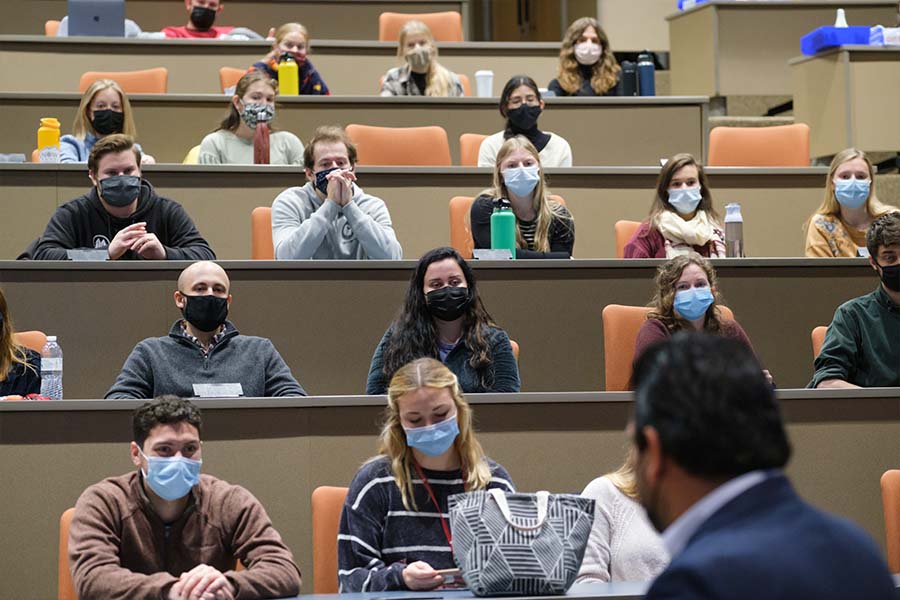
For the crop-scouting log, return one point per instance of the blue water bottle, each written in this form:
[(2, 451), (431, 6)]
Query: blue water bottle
[(646, 74)]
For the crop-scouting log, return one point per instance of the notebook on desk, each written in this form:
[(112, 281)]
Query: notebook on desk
[(97, 17)]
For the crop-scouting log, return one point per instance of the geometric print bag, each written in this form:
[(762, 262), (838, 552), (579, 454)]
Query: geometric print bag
[(519, 544)]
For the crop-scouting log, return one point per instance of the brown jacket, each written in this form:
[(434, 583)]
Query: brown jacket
[(119, 548)]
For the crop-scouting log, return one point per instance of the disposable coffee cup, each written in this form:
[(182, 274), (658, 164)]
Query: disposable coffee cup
[(484, 83)]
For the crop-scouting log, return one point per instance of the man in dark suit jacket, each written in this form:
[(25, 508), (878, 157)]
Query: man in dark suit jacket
[(711, 445)]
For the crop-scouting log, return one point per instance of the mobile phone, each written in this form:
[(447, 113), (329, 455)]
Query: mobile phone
[(451, 576)]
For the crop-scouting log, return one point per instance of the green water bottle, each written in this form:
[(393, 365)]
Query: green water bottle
[(503, 227)]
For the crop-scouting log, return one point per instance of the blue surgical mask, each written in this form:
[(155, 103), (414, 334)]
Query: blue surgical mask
[(433, 440), (852, 193), (521, 181), (321, 181), (693, 303), (172, 477), (685, 200)]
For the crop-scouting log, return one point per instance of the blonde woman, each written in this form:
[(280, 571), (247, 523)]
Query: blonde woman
[(293, 39), (544, 227), (394, 532), (421, 74), (20, 368), (682, 218), (623, 545), (838, 227), (587, 66), (104, 110)]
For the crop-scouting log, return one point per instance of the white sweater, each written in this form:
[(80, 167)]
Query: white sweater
[(556, 153), (623, 545)]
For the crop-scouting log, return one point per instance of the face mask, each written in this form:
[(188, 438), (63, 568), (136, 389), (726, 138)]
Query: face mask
[(521, 181), (257, 113), (525, 117), (448, 303), (321, 181), (419, 58), (206, 313), (120, 190), (433, 440), (685, 200), (171, 477), (692, 304), (202, 18), (852, 193), (890, 277), (587, 53), (108, 121)]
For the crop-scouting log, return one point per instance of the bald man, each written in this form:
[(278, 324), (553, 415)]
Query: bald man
[(204, 355)]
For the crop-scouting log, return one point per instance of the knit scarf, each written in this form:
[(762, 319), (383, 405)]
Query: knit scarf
[(681, 235), (261, 144)]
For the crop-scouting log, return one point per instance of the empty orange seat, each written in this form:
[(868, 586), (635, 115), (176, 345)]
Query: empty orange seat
[(261, 246), (327, 503), (229, 76), (147, 81), (469, 145), (51, 27), (780, 146), (401, 146), (444, 26), (624, 231)]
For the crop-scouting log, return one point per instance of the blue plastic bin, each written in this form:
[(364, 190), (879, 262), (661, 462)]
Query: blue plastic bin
[(829, 37)]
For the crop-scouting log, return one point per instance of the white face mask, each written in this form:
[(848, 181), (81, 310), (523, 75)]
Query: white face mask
[(587, 53)]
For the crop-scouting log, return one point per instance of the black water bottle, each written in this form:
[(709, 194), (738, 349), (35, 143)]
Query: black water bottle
[(629, 78)]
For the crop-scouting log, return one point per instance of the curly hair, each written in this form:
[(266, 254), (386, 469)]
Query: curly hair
[(662, 305), (605, 71)]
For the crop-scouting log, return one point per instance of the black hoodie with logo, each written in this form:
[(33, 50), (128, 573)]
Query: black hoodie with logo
[(84, 223)]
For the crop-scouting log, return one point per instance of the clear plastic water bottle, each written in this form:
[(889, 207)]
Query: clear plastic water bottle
[(52, 369), (734, 231)]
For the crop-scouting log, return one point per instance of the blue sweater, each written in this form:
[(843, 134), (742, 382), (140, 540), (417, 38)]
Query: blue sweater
[(78, 150), (379, 536)]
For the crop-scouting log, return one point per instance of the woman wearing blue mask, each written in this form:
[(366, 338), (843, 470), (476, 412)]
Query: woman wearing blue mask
[(682, 218), (394, 531), (838, 227), (544, 227)]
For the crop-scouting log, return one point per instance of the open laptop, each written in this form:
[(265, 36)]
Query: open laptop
[(97, 17)]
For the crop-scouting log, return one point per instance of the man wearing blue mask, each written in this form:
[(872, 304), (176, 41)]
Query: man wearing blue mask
[(121, 217), (331, 217), (166, 531), (862, 345)]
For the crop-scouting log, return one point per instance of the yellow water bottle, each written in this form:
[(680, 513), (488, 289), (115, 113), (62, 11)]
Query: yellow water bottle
[(288, 76), (48, 140)]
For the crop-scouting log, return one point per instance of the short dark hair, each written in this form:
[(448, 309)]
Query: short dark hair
[(164, 409), (330, 134), (716, 414), (112, 144), (884, 231)]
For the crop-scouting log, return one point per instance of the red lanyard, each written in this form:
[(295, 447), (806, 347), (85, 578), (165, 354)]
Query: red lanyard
[(434, 501)]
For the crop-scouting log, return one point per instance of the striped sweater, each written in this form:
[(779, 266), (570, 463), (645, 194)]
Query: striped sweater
[(379, 536)]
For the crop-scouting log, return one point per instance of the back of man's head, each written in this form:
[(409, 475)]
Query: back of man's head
[(163, 410), (714, 411)]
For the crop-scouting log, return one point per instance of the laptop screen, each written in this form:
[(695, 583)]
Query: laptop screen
[(97, 17)]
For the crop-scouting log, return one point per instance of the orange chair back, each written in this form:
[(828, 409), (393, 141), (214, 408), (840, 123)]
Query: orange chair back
[(65, 586), (818, 338), (36, 155), (890, 498), (469, 145), (780, 146), (515, 349), (620, 330), (148, 81), (229, 76), (33, 340), (261, 247), (444, 26), (51, 27), (327, 503), (624, 230), (401, 146)]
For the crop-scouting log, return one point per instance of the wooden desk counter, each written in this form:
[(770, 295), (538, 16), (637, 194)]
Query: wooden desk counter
[(326, 317), (724, 48), (282, 449), (324, 18), (847, 96), (220, 199)]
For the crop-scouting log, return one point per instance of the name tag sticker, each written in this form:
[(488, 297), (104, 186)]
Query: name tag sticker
[(218, 390), (80, 254), (488, 254)]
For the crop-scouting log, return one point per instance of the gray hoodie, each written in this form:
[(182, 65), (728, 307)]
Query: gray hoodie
[(304, 226)]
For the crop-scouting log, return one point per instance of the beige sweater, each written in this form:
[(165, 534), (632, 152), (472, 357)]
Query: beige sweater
[(120, 548)]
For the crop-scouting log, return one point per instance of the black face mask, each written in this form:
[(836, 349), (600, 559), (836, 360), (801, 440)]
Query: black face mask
[(108, 121), (524, 117), (322, 181), (202, 18), (120, 190), (206, 313), (890, 277), (448, 303)]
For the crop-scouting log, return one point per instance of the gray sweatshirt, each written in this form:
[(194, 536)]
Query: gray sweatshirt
[(304, 226), (172, 364)]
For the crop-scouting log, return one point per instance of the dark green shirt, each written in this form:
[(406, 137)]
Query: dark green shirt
[(862, 345)]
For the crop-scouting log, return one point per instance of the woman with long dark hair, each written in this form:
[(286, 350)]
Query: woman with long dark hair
[(20, 368), (443, 317)]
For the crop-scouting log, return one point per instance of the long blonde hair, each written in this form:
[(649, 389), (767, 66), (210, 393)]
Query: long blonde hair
[(438, 80), (624, 477), (546, 208), (830, 205), (10, 353), (82, 124), (428, 372), (605, 71)]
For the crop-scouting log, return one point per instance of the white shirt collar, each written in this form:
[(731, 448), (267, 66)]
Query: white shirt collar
[(678, 534)]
